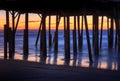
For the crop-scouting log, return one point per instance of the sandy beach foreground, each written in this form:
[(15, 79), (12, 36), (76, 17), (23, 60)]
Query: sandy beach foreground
[(14, 70)]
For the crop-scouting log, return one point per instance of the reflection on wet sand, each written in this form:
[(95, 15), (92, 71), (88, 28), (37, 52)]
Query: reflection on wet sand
[(108, 61), (81, 61)]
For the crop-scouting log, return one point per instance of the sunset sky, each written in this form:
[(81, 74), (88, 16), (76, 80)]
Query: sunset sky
[(34, 21)]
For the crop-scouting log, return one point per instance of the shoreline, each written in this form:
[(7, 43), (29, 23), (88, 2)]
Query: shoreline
[(17, 70), (106, 60)]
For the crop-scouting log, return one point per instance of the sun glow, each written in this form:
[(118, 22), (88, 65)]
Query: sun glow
[(34, 22)]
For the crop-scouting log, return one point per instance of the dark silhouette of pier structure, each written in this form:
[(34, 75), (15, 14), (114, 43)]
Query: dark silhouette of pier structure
[(62, 9)]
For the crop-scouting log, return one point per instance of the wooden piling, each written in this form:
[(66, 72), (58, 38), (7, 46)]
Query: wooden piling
[(96, 33), (111, 35), (25, 40), (67, 37), (7, 18), (10, 34), (56, 35), (80, 32), (74, 42), (6, 26), (17, 23), (13, 32), (39, 32), (44, 47), (108, 32), (5, 40), (93, 31), (41, 37), (41, 44), (49, 34), (74, 37), (101, 33), (88, 39)]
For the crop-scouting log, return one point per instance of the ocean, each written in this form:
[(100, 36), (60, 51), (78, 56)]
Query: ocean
[(107, 59)]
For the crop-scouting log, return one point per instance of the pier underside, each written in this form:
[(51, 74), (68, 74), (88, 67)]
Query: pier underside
[(64, 9)]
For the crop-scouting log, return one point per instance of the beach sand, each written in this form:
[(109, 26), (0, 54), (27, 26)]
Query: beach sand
[(17, 70)]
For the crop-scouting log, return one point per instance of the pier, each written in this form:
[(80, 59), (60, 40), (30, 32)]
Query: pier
[(72, 39), (95, 8)]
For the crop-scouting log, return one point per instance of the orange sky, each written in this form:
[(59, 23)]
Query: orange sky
[(34, 21)]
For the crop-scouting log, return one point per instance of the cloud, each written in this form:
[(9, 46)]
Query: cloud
[(33, 21)]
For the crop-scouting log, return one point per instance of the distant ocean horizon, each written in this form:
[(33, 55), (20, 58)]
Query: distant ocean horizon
[(108, 59)]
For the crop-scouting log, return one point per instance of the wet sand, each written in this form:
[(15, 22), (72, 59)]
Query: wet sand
[(16, 70)]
